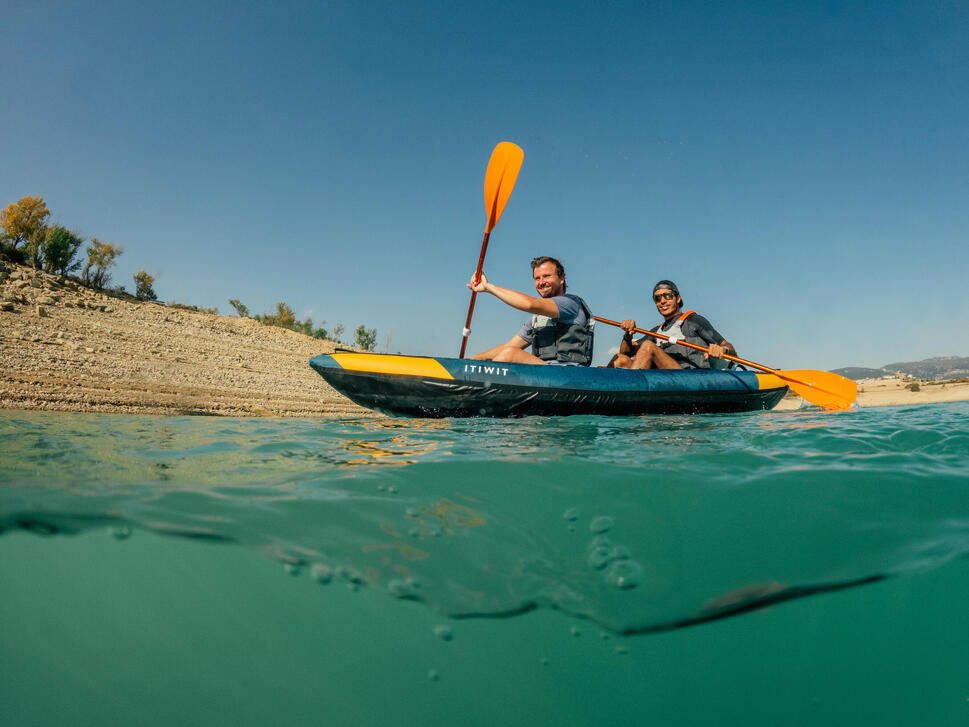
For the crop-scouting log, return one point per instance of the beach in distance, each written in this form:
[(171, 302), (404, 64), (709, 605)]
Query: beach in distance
[(64, 347)]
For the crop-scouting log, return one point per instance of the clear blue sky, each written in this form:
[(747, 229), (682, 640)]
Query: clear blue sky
[(801, 170)]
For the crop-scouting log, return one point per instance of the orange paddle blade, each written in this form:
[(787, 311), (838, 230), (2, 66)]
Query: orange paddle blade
[(823, 388), (503, 167)]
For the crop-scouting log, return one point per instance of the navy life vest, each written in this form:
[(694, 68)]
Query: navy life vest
[(565, 342), (688, 357)]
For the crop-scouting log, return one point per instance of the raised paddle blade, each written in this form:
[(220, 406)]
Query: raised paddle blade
[(503, 167), (823, 388)]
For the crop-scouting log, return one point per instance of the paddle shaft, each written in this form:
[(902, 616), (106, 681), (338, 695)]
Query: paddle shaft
[(474, 295)]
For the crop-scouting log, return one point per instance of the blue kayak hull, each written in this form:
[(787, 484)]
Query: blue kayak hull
[(448, 387)]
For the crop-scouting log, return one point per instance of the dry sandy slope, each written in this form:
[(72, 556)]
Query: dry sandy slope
[(66, 348)]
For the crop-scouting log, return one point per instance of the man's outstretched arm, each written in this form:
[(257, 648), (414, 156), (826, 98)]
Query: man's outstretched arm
[(521, 301)]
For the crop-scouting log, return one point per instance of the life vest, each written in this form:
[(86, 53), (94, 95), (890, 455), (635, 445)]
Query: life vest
[(565, 342), (689, 357)]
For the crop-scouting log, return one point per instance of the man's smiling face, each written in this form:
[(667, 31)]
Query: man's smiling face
[(548, 284)]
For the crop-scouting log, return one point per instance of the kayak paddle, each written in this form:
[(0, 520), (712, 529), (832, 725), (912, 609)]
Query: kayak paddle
[(506, 161), (823, 388)]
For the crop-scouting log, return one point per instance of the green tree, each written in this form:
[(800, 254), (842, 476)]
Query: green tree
[(337, 332), (143, 283), (100, 257), (59, 250), (241, 310), (366, 338), (24, 222)]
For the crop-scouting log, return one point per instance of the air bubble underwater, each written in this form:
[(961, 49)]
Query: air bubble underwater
[(601, 524), (322, 573), (404, 589), (616, 562), (624, 574), (444, 632), (598, 558), (620, 552)]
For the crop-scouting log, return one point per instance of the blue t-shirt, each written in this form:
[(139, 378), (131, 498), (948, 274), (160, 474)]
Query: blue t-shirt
[(570, 311)]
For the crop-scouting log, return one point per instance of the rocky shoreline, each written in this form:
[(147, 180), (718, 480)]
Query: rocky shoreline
[(64, 347)]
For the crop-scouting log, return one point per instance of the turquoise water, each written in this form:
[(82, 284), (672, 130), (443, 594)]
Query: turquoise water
[(800, 568)]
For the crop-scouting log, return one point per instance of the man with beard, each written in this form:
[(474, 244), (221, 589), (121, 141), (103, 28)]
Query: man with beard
[(560, 330)]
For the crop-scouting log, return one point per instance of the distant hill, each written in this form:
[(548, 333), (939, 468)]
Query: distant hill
[(940, 367), (856, 373)]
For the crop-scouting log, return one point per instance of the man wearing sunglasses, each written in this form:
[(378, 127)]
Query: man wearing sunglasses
[(650, 353)]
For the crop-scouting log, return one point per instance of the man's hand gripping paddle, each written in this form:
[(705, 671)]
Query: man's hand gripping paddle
[(503, 167)]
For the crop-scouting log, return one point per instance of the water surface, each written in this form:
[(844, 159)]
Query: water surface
[(581, 569)]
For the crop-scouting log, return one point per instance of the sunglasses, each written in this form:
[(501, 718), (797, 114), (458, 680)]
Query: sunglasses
[(663, 296)]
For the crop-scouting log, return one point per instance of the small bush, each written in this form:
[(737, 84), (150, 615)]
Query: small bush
[(240, 308), (13, 255), (914, 386), (143, 283), (284, 317), (365, 338)]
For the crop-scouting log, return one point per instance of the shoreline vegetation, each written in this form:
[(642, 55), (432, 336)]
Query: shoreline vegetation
[(66, 347)]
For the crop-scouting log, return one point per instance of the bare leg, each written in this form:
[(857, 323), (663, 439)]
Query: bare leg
[(651, 356), (620, 361), (515, 355)]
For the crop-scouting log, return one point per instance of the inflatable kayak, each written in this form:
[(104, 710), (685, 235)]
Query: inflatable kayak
[(459, 387)]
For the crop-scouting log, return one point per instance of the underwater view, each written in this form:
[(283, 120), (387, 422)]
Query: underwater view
[(771, 568)]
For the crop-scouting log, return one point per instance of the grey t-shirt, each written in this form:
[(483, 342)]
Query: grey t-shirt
[(570, 311)]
